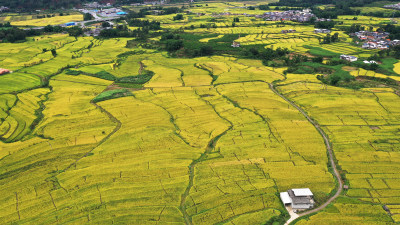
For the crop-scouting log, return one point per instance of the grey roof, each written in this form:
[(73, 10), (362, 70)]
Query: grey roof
[(299, 200)]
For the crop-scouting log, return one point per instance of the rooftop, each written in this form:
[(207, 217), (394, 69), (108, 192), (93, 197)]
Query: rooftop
[(285, 198), (302, 199), (298, 192)]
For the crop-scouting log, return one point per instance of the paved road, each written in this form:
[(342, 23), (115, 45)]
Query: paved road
[(330, 153), (293, 215)]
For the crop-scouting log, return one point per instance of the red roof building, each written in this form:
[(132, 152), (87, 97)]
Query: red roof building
[(4, 71)]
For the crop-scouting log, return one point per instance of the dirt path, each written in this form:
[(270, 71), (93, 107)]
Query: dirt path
[(141, 68), (330, 153)]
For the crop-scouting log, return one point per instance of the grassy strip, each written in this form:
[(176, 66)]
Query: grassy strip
[(117, 93), (138, 79)]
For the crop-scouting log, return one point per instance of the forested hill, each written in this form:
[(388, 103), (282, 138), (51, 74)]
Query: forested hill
[(310, 3), (40, 4)]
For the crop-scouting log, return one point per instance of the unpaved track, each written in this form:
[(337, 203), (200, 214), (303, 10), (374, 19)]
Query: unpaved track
[(330, 153)]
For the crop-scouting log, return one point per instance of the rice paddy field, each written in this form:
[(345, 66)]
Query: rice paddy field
[(179, 150), (32, 20), (362, 126), (205, 140)]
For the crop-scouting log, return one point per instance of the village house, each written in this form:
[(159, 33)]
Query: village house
[(323, 20), (371, 36), (370, 62), (3, 8), (375, 40), (349, 58), (4, 71), (322, 31), (395, 6), (235, 44), (298, 199), (290, 15)]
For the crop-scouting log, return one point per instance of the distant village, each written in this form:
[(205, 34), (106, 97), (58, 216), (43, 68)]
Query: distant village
[(4, 9), (375, 40), (394, 6), (304, 15)]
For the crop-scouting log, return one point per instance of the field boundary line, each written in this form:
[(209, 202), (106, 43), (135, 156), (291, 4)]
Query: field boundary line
[(113, 119), (330, 154)]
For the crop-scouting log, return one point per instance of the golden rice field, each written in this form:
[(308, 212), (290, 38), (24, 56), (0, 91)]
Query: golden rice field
[(363, 127), (204, 141), (56, 20), (179, 150)]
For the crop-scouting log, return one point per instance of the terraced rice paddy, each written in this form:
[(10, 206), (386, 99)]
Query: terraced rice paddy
[(30, 21), (199, 167), (363, 126), (204, 140)]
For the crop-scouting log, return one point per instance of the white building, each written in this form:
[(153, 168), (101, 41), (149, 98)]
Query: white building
[(235, 44), (323, 31), (349, 58), (298, 199)]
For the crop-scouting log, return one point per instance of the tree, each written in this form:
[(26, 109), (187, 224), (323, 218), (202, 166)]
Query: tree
[(48, 28), (54, 52), (396, 51), (106, 24), (206, 50), (75, 31), (178, 17), (263, 7), (318, 59), (173, 45), (88, 16), (335, 37)]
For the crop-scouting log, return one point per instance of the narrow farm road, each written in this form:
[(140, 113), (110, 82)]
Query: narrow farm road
[(330, 153)]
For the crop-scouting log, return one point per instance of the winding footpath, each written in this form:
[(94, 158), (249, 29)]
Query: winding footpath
[(331, 160)]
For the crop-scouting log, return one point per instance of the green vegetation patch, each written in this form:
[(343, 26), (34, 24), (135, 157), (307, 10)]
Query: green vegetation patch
[(111, 94)]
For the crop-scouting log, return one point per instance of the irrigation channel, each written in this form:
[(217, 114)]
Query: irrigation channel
[(330, 154)]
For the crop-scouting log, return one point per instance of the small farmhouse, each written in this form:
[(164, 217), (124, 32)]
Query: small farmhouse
[(235, 44), (323, 31), (298, 199), (4, 71), (349, 58)]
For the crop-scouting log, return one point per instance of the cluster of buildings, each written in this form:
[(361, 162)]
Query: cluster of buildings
[(322, 31), (96, 5), (323, 20), (375, 40), (349, 58), (370, 62), (290, 15), (151, 2), (4, 71), (3, 8), (298, 199), (94, 32), (394, 6), (112, 11)]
